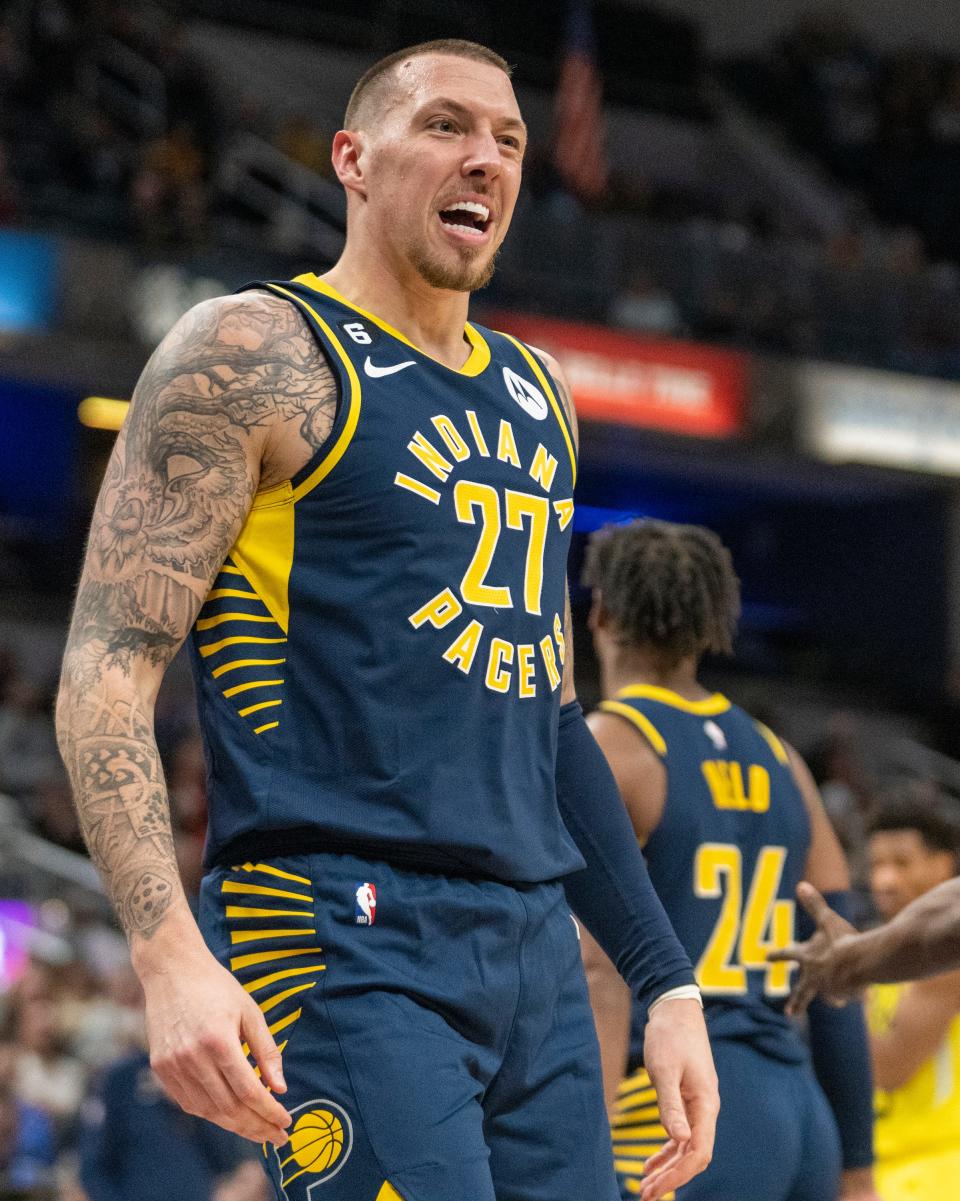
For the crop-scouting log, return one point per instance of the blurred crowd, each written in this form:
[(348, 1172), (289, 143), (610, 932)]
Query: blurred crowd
[(81, 1116), (885, 125), (109, 123)]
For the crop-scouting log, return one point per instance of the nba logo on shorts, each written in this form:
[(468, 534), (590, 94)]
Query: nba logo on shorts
[(366, 913)]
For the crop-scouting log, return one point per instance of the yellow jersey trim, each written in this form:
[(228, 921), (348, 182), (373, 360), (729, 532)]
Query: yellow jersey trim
[(779, 750), (558, 412), (336, 452), (477, 361), (641, 721), (709, 708)]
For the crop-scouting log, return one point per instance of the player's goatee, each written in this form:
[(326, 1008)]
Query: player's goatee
[(462, 277)]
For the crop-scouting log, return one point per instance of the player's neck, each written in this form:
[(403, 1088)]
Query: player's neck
[(431, 318), (623, 666)]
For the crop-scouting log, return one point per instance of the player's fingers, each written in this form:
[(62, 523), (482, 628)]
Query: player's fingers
[(673, 1115), (264, 1049), (800, 998), (197, 1090), (231, 1104), (793, 952), (663, 1158), (657, 1181), (244, 1099), (813, 902)]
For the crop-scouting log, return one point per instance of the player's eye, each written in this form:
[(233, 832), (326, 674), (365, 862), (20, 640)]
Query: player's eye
[(510, 142), (443, 125)]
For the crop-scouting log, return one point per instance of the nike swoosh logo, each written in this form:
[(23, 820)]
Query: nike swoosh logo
[(376, 372)]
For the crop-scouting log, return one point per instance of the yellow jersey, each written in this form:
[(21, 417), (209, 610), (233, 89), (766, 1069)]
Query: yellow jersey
[(923, 1115)]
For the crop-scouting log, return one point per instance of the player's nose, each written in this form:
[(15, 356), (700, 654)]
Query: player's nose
[(482, 157)]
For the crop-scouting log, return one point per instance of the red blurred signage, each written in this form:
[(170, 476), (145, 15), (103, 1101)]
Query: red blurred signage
[(624, 378)]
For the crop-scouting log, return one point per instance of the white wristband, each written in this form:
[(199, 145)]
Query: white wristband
[(686, 992)]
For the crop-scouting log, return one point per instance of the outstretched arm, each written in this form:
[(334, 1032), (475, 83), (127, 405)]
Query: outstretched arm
[(206, 415), (922, 940)]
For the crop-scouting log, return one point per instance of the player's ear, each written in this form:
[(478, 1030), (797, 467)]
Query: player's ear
[(597, 619), (346, 156)]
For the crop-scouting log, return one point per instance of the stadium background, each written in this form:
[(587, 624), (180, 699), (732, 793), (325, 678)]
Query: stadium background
[(745, 254)]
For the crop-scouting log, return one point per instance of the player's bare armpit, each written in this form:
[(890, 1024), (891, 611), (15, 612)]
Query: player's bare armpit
[(236, 387)]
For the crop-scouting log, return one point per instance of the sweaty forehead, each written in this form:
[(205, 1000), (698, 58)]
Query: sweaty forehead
[(472, 83)]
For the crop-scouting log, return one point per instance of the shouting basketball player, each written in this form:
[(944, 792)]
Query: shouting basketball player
[(357, 505)]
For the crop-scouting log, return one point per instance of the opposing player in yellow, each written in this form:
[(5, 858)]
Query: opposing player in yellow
[(915, 1028)]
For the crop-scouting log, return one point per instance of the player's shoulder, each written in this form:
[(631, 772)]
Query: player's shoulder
[(559, 377), (250, 321), (621, 731)]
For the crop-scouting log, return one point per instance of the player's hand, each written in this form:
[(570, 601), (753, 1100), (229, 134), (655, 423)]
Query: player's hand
[(676, 1054), (197, 1018), (820, 958)]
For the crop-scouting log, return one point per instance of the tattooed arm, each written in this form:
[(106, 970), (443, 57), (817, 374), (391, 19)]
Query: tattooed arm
[(235, 397)]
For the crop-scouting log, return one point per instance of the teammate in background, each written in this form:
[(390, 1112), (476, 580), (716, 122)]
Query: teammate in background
[(914, 1028), (358, 506), (729, 818)]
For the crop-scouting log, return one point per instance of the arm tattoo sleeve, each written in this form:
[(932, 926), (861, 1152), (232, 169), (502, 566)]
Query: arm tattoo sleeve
[(176, 492)]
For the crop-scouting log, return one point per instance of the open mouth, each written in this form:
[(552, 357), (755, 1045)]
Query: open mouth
[(467, 217)]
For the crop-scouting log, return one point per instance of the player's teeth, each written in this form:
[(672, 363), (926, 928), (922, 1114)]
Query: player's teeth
[(470, 206), (464, 229)]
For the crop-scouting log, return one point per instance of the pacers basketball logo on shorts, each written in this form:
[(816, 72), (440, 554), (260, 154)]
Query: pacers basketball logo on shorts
[(321, 1140), (366, 912)]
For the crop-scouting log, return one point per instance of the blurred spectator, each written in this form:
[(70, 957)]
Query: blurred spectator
[(45, 1075), (300, 139), (53, 811), (645, 306), (27, 1145), (28, 750), (839, 770), (138, 1144), (169, 191)]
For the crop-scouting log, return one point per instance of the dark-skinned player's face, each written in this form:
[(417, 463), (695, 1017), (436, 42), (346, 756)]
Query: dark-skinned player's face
[(443, 169), (903, 867)]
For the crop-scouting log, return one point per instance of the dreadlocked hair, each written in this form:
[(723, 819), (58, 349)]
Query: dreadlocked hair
[(666, 586)]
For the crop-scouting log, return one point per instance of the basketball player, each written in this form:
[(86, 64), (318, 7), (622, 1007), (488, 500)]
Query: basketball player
[(358, 506), (729, 818), (914, 1028)]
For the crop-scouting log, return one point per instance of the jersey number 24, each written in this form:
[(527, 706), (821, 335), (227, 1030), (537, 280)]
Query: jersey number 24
[(746, 931)]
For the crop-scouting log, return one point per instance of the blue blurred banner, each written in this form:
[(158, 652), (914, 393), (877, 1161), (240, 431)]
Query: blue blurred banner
[(28, 281), (38, 437)]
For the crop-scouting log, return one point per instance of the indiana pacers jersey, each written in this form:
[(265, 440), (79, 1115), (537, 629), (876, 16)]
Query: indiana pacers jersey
[(379, 660), (726, 857), (923, 1116)]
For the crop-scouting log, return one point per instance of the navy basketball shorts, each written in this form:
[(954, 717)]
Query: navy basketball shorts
[(438, 1043), (776, 1136)]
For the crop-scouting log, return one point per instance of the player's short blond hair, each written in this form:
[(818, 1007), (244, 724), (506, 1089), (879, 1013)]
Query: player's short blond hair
[(374, 85)]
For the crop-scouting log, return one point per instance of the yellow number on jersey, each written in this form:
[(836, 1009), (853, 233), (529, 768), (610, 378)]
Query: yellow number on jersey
[(744, 934), (519, 505), (537, 508), (474, 591)]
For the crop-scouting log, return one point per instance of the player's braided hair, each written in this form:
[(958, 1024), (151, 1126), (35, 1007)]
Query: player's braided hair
[(666, 586)]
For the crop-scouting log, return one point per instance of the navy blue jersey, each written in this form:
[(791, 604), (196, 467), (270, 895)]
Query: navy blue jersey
[(379, 661), (726, 857)]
